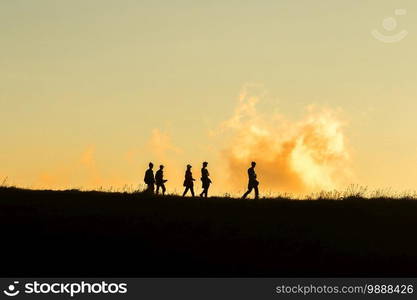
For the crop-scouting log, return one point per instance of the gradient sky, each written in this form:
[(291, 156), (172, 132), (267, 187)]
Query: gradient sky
[(91, 91)]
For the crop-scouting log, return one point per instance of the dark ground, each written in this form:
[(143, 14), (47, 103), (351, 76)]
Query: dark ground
[(95, 234)]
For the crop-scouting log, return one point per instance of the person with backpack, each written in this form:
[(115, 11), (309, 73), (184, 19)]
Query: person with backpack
[(253, 182), (188, 181), (159, 180)]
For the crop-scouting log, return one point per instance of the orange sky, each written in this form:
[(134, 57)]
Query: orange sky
[(92, 91)]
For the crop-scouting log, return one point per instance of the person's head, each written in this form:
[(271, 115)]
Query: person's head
[(150, 165), (161, 167), (253, 164), (189, 167), (205, 164)]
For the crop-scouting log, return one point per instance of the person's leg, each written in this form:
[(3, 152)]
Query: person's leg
[(192, 191), (247, 193), (150, 188), (206, 191), (157, 189), (163, 189), (256, 192), (185, 191)]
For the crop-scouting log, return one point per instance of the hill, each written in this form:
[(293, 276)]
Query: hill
[(97, 234)]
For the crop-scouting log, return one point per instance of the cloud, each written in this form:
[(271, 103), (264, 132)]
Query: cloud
[(87, 158), (162, 150), (292, 156), (161, 145), (81, 172)]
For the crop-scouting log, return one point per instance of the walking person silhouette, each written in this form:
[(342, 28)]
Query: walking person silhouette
[(253, 182), (150, 179), (188, 181), (205, 180), (159, 180)]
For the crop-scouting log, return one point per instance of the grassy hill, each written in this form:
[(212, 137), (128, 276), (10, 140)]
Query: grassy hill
[(73, 233)]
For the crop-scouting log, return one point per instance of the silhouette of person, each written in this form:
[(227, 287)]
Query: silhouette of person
[(205, 180), (159, 180), (188, 181), (150, 179), (253, 182)]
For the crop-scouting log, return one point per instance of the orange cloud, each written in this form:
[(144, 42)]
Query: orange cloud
[(164, 151), (161, 145), (302, 156), (81, 172), (87, 158)]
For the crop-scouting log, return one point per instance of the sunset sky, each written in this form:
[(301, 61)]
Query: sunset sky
[(92, 90)]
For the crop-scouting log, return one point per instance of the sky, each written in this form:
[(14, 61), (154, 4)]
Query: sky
[(91, 91)]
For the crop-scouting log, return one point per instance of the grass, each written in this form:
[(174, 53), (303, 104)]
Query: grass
[(95, 233)]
